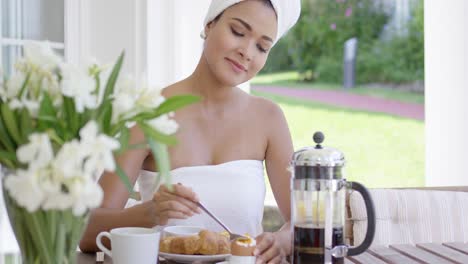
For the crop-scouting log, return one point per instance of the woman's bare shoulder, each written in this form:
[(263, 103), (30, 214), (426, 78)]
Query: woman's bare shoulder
[(174, 89), (265, 108)]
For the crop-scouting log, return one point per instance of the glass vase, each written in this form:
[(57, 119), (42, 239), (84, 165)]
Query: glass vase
[(45, 236)]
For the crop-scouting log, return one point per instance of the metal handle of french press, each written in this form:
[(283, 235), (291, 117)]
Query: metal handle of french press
[(370, 209), (341, 251)]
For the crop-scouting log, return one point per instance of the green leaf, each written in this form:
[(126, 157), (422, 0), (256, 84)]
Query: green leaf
[(7, 163), (153, 134), (124, 178), (137, 146), (106, 119), (25, 83), (161, 158), (26, 124), (71, 115), (176, 102), (124, 138), (113, 77), (170, 105), (11, 156), (51, 119), (85, 117), (104, 112), (5, 138), (11, 123), (47, 109)]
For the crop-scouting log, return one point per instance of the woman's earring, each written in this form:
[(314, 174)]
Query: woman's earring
[(202, 34)]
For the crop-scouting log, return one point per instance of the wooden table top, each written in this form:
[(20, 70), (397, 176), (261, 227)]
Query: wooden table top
[(395, 254), (420, 253)]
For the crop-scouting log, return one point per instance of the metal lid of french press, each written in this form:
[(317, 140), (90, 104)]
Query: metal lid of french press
[(318, 162)]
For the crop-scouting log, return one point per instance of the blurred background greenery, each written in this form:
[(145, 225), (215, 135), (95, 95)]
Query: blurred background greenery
[(314, 47), (382, 150)]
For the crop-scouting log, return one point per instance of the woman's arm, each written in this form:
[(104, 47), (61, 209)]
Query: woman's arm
[(277, 158), (166, 204)]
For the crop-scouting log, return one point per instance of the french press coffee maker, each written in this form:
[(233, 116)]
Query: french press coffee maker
[(318, 193)]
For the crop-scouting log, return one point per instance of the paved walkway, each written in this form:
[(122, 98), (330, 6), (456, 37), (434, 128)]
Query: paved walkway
[(348, 100)]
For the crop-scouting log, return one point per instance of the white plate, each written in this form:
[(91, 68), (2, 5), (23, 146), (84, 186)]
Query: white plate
[(191, 258), (181, 230)]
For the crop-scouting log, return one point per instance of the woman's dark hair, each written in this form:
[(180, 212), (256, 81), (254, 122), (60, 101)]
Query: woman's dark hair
[(266, 2)]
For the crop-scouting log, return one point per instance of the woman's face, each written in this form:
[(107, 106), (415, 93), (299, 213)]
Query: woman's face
[(238, 43)]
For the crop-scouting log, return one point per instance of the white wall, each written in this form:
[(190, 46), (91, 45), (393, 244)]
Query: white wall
[(174, 43), (446, 77), (111, 26), (161, 38)]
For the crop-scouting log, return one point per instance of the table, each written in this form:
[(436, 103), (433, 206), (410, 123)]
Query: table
[(394, 254)]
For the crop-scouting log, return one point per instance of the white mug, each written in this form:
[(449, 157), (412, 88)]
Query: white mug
[(131, 245)]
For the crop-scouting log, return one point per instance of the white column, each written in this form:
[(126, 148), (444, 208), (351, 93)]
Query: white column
[(76, 30), (446, 77), (111, 26), (174, 43)]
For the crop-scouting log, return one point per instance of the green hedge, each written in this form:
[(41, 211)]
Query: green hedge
[(315, 45)]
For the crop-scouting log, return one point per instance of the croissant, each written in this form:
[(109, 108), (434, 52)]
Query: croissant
[(165, 244), (205, 243), (224, 247), (209, 245)]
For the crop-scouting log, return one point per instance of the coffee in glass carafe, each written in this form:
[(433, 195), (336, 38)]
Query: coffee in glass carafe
[(318, 195)]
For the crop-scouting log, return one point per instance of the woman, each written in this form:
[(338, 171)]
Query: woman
[(224, 139)]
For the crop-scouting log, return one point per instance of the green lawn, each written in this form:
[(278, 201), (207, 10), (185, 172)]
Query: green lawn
[(291, 79), (381, 150)]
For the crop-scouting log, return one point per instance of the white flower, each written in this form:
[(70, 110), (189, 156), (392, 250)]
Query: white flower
[(87, 195), (130, 99), (57, 200), (125, 97), (150, 97), (25, 189), (31, 105), (13, 86), (79, 85), (99, 148), (164, 124), (55, 197), (69, 160), (50, 83), (39, 81), (37, 153), (42, 55)]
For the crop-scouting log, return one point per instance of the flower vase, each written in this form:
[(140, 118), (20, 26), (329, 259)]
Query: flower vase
[(45, 236)]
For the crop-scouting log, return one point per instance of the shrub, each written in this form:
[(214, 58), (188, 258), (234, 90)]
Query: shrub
[(279, 58), (315, 45), (325, 25), (398, 60)]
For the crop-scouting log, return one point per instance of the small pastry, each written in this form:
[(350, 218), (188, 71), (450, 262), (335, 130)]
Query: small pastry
[(209, 244)]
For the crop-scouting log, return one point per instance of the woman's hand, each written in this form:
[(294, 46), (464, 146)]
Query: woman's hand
[(268, 249), (180, 203)]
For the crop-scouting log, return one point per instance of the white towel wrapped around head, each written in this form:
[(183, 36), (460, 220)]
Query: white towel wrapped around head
[(287, 11)]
